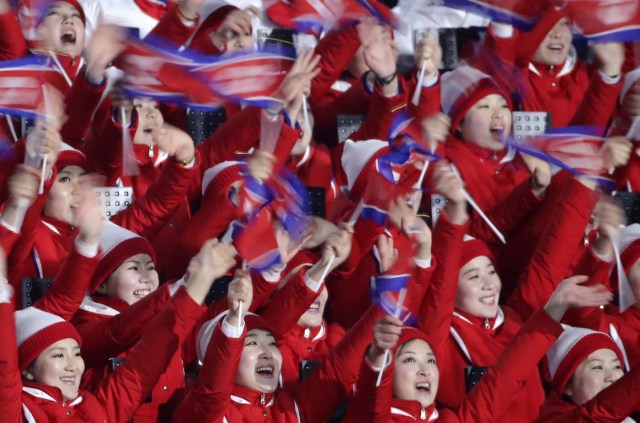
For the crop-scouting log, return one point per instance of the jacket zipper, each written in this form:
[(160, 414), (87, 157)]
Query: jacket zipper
[(151, 151), (307, 332), (262, 402), (486, 324), (423, 414)]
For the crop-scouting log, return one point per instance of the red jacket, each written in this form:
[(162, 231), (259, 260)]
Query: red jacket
[(572, 93), (214, 396), (489, 401), (460, 340), (611, 405), (111, 331), (116, 398)]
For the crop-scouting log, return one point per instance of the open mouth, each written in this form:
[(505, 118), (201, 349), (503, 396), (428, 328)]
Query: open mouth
[(556, 48), (488, 300), (423, 387), (148, 130), (265, 371), (68, 37), (141, 293), (315, 306)]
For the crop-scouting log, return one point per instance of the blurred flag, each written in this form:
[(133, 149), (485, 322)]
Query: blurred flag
[(575, 149), (21, 85), (153, 71), (316, 16), (390, 289), (247, 78), (605, 20), (30, 13), (521, 13)]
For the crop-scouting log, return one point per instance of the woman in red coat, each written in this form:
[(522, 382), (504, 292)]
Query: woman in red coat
[(588, 380), (409, 386)]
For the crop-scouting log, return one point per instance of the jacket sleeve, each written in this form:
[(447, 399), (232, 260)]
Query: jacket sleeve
[(104, 338), (438, 304), (171, 28), (508, 214), (382, 110), (70, 285), (371, 403), (336, 49), (10, 380), (332, 382), (12, 42), (289, 304), (552, 260), (237, 134), (489, 400), (599, 102), (8, 239), (209, 397), (146, 215), (123, 391), (80, 103)]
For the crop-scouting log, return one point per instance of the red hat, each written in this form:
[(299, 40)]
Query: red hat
[(473, 248), (201, 41), (464, 87), (219, 178), (410, 333), (117, 245), (36, 330), (530, 40), (69, 156), (571, 349), (48, 4), (251, 321)]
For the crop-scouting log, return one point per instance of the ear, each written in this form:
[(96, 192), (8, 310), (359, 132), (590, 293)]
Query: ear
[(102, 289), (568, 390), (28, 375)]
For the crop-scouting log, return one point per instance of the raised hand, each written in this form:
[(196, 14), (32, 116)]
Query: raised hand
[(616, 152), (388, 254), (175, 142), (436, 129), (571, 294), (239, 296), (297, 83), (540, 174), (87, 216), (107, 42), (23, 190), (448, 184), (260, 165), (335, 251), (419, 230), (213, 261), (428, 54), (611, 56), (607, 217), (386, 334)]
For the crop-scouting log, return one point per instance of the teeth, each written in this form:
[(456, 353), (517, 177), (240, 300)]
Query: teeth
[(487, 300), (264, 370), (314, 307), (68, 379), (141, 292), (425, 386)]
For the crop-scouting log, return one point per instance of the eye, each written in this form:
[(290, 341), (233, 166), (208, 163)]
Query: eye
[(138, 106), (473, 277), (597, 367), (133, 268), (492, 272), (151, 267), (483, 106), (251, 344), (58, 355), (76, 15), (52, 13), (617, 367), (432, 361), (78, 354), (409, 360), (64, 179)]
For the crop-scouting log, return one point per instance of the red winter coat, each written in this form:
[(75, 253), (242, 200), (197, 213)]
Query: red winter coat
[(489, 401)]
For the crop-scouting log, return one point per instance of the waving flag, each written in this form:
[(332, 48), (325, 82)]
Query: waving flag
[(283, 201), (575, 149), (605, 20), (521, 13), (152, 71), (318, 15), (247, 78), (21, 85)]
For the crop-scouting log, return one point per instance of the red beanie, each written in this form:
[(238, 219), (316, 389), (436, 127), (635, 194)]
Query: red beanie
[(219, 178), (410, 333), (251, 321), (69, 156), (473, 248), (48, 3), (571, 349), (36, 330), (117, 245), (464, 87)]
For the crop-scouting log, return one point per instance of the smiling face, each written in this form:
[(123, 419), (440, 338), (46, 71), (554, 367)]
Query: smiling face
[(64, 195), (150, 119), (132, 280), (312, 318), (260, 363), (597, 372), (416, 374), (488, 122), (61, 30), (555, 47), (478, 288), (60, 365)]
